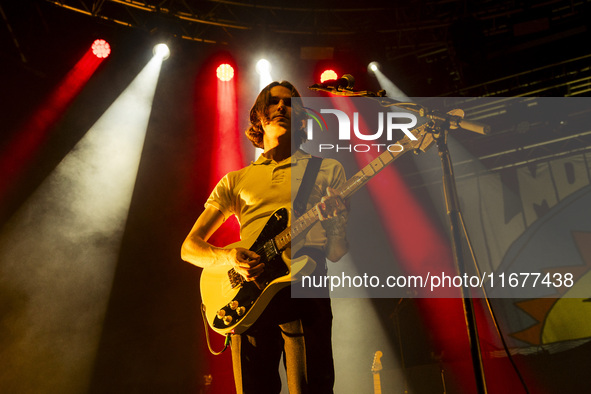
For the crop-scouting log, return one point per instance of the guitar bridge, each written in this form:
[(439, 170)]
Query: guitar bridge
[(235, 278)]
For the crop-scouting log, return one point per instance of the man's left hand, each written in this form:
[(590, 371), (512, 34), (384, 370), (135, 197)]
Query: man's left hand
[(333, 212)]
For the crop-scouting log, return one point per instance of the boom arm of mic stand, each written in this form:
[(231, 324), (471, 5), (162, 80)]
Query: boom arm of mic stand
[(346, 92), (454, 121)]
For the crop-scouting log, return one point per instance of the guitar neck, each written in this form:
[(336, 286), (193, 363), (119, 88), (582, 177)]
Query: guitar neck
[(376, 367), (356, 182), (377, 384), (359, 180)]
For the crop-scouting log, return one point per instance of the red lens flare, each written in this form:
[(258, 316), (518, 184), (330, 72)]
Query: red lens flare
[(328, 75), (225, 72), (101, 48)]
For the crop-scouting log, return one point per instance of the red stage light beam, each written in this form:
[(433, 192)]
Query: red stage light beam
[(18, 153), (226, 155)]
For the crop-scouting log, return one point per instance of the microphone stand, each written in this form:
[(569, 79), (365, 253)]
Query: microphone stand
[(440, 126), (455, 222)]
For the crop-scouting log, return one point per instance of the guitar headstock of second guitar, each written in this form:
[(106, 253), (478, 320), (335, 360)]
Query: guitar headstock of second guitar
[(376, 365)]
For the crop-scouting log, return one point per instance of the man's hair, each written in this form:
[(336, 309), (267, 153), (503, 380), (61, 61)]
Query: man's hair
[(259, 112)]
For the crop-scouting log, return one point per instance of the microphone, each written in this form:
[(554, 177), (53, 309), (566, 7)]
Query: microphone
[(343, 87), (347, 81), (473, 126), (456, 119)]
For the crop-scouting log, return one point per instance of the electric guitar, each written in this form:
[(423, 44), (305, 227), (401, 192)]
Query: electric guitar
[(231, 303), (376, 367)]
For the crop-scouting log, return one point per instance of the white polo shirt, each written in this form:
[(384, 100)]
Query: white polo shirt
[(254, 192)]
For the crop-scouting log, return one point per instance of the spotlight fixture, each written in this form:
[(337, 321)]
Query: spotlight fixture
[(263, 66), (328, 75), (374, 66), (101, 48), (225, 72), (162, 51)]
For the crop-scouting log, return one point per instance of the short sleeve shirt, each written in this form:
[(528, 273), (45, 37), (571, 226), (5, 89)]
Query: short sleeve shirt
[(254, 192)]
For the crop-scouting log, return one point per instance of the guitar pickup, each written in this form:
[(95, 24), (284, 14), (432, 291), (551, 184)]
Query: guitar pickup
[(235, 278)]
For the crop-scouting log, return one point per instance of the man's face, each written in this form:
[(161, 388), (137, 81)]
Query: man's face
[(279, 113)]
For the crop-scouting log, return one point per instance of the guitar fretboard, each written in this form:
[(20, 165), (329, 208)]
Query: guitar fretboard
[(377, 384), (376, 367)]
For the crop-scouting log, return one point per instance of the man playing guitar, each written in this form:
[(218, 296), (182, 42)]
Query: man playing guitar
[(299, 328)]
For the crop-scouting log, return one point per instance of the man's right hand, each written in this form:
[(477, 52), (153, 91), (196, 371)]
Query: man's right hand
[(246, 263)]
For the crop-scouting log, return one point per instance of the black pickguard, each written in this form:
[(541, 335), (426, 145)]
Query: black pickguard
[(275, 267), (265, 247)]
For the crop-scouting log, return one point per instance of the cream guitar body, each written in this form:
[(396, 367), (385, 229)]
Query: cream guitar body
[(233, 304)]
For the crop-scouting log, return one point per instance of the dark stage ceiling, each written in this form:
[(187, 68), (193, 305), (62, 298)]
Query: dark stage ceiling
[(434, 47), (429, 48)]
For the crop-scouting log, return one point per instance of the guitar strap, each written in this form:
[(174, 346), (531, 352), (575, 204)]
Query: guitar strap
[(301, 200)]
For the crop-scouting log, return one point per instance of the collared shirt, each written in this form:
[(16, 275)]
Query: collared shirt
[(254, 192)]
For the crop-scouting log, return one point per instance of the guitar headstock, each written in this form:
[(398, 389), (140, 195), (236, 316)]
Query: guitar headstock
[(376, 366)]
